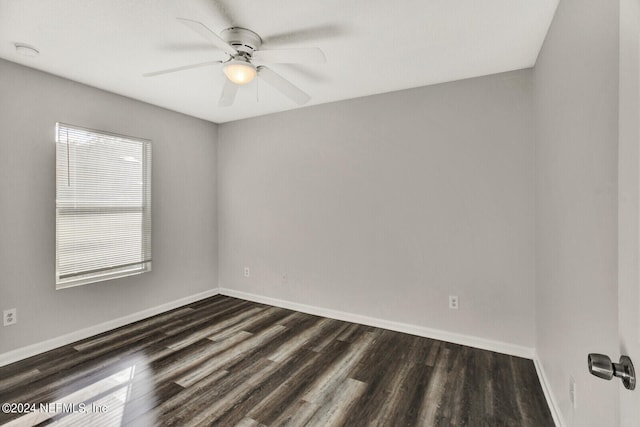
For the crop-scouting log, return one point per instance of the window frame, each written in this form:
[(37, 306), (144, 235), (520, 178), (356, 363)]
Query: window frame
[(85, 277)]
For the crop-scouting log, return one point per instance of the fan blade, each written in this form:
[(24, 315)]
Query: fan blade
[(283, 85), (310, 72), (185, 67), (310, 55), (223, 11), (228, 94), (198, 47), (307, 34), (205, 32)]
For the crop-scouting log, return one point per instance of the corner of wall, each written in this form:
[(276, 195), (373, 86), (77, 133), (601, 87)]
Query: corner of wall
[(548, 392)]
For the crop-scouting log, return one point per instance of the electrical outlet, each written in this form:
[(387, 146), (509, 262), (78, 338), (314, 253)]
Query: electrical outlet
[(453, 302), (572, 392), (10, 317), (247, 272)]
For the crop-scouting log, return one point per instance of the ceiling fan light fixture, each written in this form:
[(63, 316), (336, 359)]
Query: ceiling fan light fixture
[(240, 72)]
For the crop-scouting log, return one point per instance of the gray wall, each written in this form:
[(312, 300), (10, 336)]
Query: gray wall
[(184, 205), (383, 206), (576, 105)]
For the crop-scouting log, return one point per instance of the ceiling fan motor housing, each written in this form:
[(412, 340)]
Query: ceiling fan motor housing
[(243, 40)]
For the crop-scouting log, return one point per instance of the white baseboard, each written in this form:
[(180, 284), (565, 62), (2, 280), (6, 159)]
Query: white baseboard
[(548, 393), (468, 340), (41, 347)]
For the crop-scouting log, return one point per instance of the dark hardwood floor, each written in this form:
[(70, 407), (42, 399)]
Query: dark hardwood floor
[(229, 362)]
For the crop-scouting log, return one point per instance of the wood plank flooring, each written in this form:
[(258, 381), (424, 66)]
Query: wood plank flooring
[(228, 362)]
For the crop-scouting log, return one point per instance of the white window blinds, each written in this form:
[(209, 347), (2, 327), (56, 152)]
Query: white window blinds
[(103, 206)]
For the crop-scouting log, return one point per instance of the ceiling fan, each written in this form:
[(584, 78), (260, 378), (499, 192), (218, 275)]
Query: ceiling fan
[(243, 47)]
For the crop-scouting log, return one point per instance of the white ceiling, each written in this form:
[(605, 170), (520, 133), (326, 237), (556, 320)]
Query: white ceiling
[(372, 46)]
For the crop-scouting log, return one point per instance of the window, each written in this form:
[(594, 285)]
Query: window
[(103, 206)]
